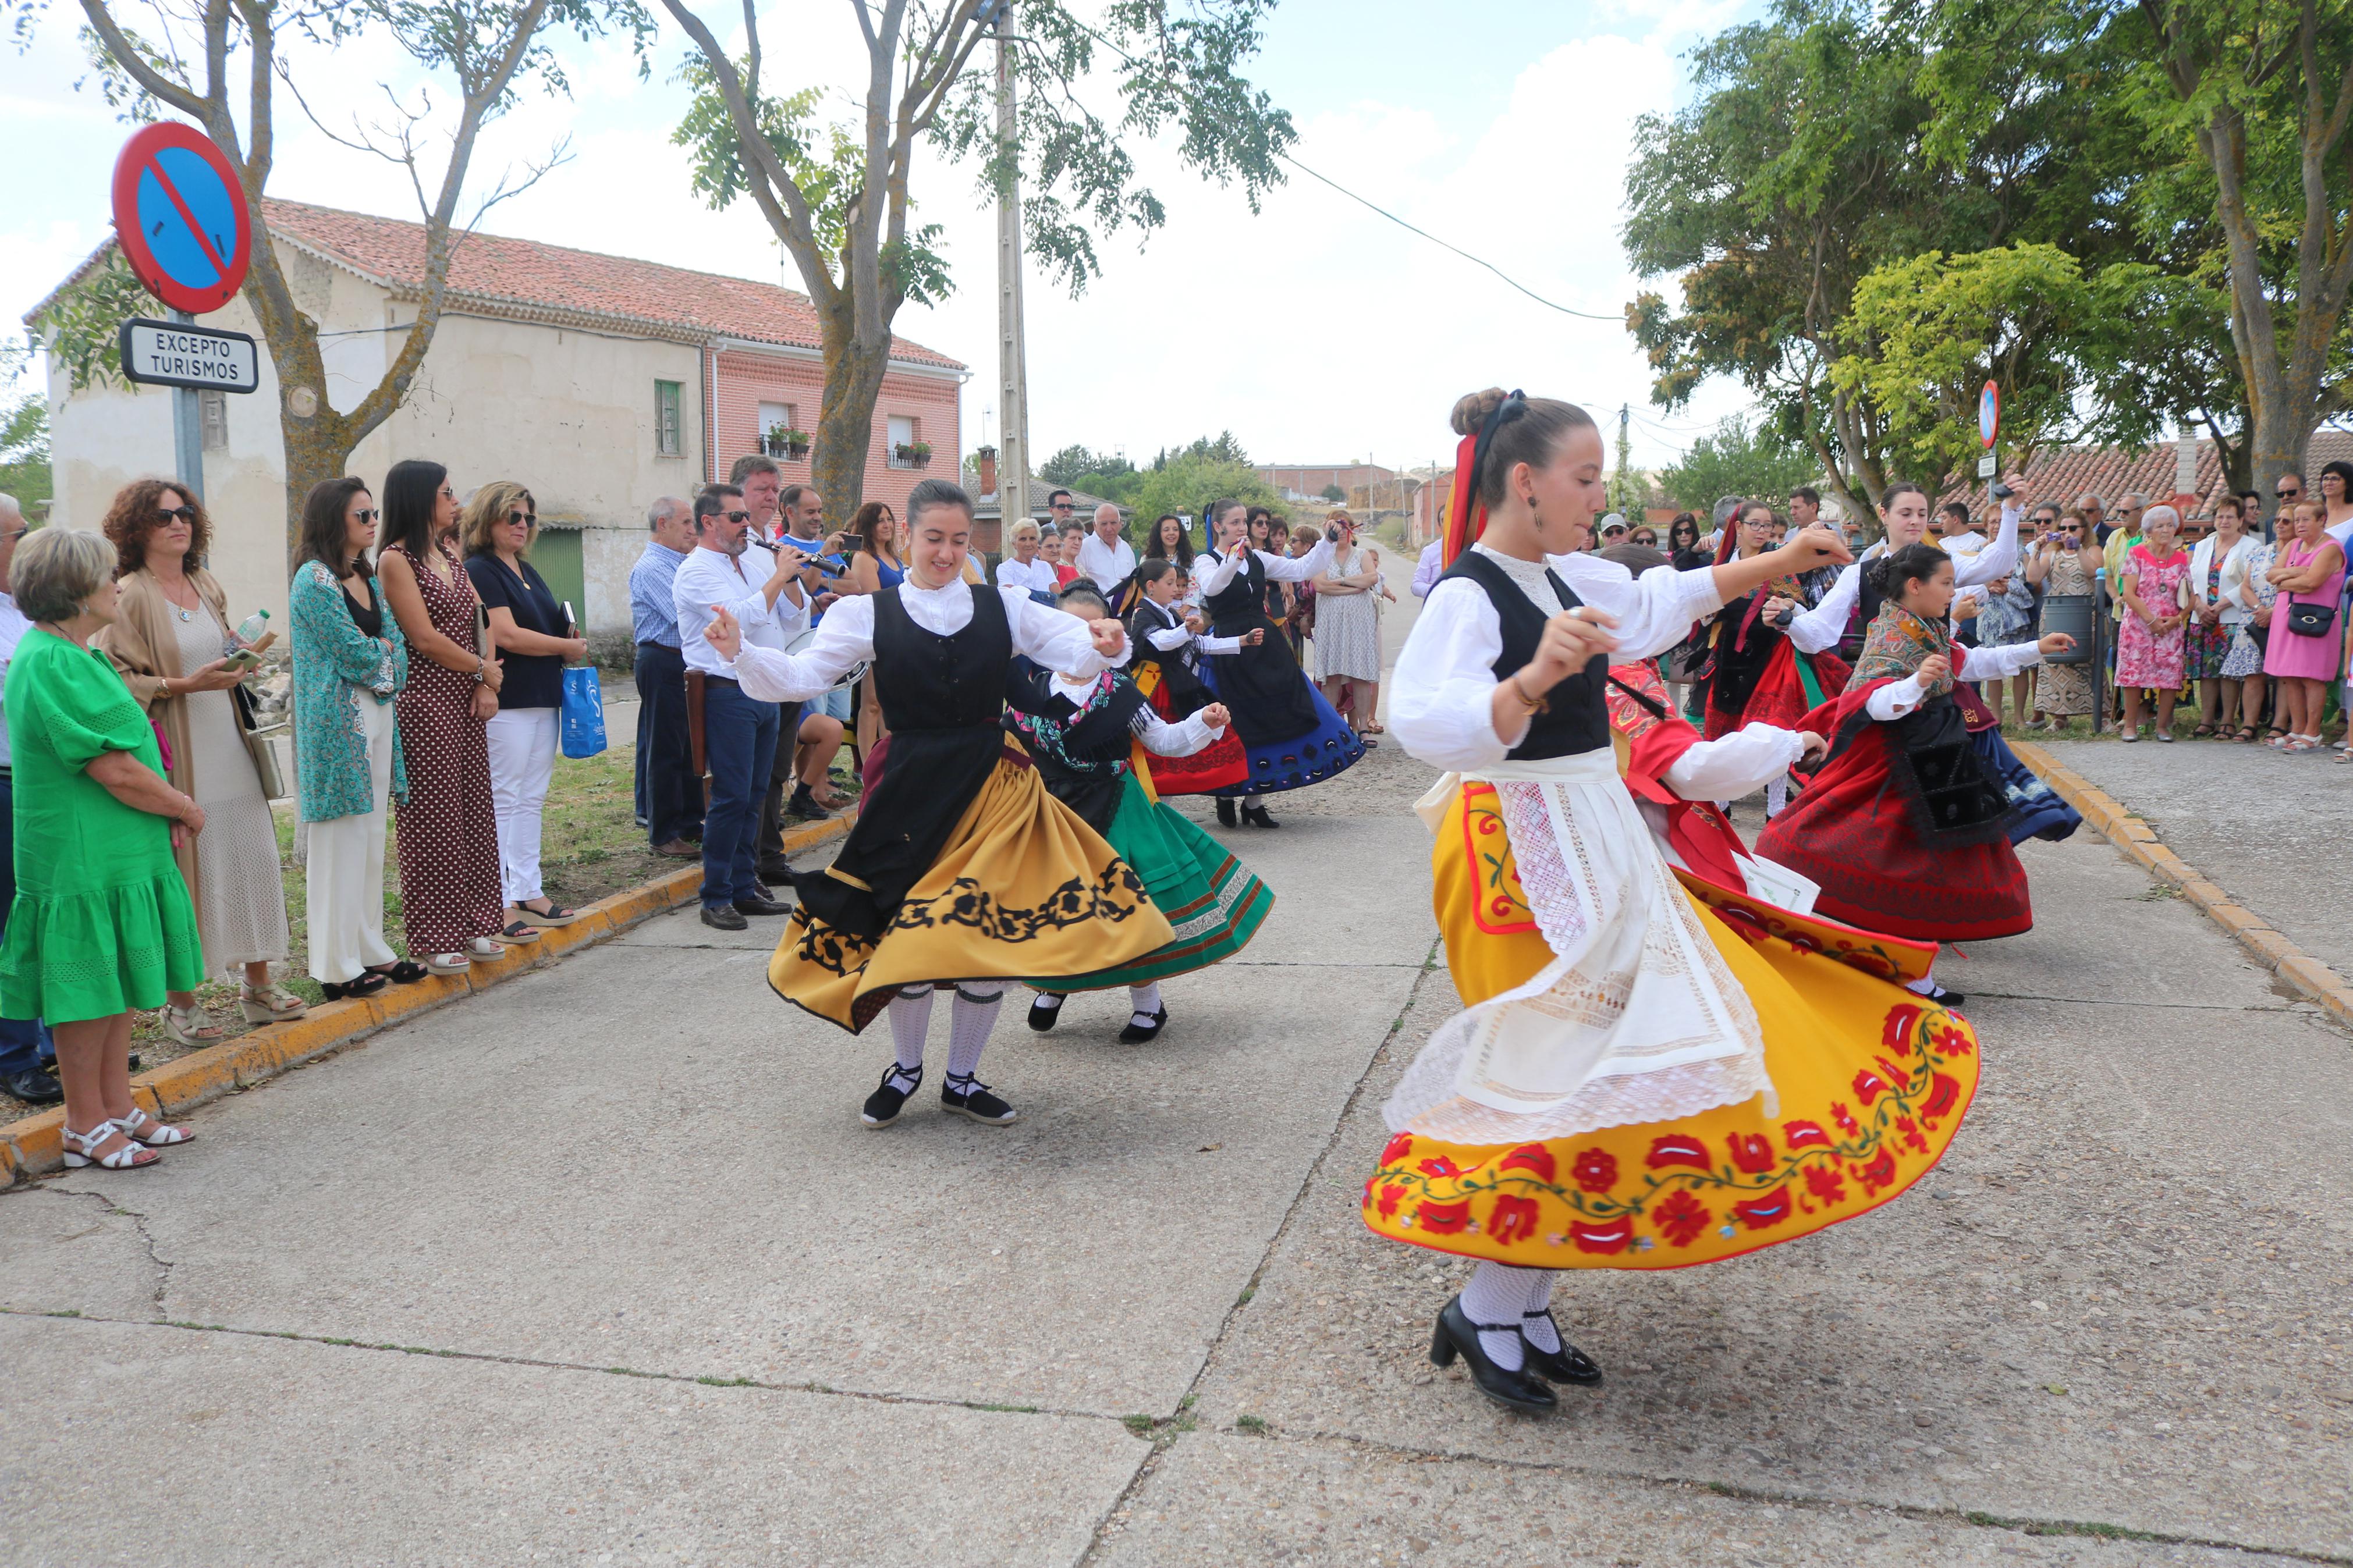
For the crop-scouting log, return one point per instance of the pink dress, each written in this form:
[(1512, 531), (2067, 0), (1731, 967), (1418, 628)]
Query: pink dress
[(2307, 659), (2145, 658)]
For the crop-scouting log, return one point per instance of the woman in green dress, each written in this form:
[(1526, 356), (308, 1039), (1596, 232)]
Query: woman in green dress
[(101, 924)]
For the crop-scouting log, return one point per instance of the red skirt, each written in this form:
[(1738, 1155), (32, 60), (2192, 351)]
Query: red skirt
[(1853, 831), (1780, 696), (1222, 769)]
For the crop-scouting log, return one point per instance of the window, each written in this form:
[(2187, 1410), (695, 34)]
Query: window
[(902, 435), (212, 407), (669, 428), (777, 421)]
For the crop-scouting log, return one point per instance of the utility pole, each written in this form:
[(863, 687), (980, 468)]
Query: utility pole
[(1621, 494), (1013, 370)]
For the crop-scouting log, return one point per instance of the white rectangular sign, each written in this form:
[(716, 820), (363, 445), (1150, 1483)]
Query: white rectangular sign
[(166, 353), (1986, 466)]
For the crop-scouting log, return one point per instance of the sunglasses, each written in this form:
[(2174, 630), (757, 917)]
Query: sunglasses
[(738, 516), (2284, 493), (186, 514), (528, 516), (1059, 506), (2071, 528)]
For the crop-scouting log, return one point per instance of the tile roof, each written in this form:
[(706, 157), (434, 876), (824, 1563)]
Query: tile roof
[(525, 276), (2064, 473)]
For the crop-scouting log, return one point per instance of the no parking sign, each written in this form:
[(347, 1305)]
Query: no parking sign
[(181, 217)]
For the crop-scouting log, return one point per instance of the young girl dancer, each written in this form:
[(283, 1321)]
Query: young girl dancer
[(1754, 671), (1635, 1082), (1293, 737), (1164, 661), (1905, 828), (962, 868), (1085, 737)]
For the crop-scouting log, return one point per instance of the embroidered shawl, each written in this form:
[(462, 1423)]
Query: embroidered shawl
[(1896, 645)]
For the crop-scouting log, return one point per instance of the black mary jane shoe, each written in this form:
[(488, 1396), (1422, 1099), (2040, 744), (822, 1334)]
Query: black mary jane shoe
[(1225, 812), (1458, 1335), (1255, 816), (1137, 1034), (407, 971), (1944, 998), (1567, 1364), (882, 1107), (367, 983), (1045, 1011)]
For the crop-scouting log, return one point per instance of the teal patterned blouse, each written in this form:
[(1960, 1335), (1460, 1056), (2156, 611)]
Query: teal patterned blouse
[(337, 667)]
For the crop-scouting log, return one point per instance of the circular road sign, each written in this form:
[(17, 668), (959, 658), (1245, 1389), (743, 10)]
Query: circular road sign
[(181, 219), (1989, 413)]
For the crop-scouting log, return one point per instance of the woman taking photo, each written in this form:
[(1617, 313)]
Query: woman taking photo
[(2301, 650), (102, 924), (169, 640), (350, 662), (451, 898)]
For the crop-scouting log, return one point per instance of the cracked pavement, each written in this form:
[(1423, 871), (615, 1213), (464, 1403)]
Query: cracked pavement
[(601, 1265)]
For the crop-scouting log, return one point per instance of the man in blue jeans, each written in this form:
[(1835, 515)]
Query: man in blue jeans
[(25, 1044), (739, 733)]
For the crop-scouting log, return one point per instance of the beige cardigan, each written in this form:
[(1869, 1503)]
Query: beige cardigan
[(146, 649)]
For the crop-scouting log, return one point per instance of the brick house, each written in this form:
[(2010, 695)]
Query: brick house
[(599, 382), (2063, 474)]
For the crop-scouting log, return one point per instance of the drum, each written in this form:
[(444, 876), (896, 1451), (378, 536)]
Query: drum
[(849, 677)]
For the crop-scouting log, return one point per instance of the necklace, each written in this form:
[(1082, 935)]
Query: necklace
[(172, 593)]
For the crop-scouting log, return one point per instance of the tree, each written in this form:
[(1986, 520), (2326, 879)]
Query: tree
[(838, 198), (1628, 493), (1065, 465), (24, 437), (1738, 460), (486, 47), (1190, 481), (1334, 494)]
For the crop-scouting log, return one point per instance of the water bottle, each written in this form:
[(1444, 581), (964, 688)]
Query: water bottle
[(250, 630)]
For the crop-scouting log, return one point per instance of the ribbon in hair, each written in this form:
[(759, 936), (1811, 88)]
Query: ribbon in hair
[(1466, 516)]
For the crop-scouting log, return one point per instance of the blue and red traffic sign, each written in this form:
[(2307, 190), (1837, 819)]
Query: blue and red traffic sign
[(1988, 414), (180, 216)]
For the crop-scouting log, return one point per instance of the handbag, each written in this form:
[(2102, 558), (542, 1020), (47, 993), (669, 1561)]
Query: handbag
[(2309, 620), (581, 722), (257, 745)]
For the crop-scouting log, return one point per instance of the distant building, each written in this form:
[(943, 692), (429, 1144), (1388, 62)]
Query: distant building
[(1307, 481), (598, 381)]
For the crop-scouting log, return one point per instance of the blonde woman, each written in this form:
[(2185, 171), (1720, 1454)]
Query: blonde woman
[(1024, 568)]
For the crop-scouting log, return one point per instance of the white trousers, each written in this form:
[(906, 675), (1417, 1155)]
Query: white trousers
[(522, 758), (343, 876)]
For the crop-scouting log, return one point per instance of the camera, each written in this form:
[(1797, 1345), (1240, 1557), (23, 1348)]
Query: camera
[(2002, 491)]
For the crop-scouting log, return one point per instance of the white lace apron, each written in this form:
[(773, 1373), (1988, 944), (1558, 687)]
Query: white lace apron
[(1636, 1018)]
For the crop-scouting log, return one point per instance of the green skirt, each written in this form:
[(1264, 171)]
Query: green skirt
[(1212, 900), (70, 957)]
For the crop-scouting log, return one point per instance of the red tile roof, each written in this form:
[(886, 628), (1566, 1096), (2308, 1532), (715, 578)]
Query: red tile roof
[(2065, 473)]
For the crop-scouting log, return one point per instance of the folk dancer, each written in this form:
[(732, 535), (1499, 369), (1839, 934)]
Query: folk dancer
[(1165, 649)]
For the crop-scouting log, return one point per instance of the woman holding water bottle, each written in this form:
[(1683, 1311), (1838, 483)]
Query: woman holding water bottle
[(171, 641)]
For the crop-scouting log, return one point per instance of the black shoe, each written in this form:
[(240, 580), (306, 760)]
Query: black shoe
[(34, 1086), (804, 805), (1567, 1364), (774, 874), (1458, 1335), (1226, 813), (761, 906), (367, 982), (1137, 1034), (974, 1100), (1044, 1010), (1944, 998), (722, 917), (1255, 815), (883, 1105)]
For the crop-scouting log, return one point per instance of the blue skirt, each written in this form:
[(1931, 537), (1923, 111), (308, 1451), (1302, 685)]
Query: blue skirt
[(2036, 810), (1325, 751)]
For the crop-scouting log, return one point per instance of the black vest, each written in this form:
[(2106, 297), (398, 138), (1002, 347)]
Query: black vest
[(1867, 600), (1574, 719), (1241, 602)]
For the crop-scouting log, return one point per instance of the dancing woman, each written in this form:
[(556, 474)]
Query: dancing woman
[(1291, 735), (1754, 672), (1164, 662), (1088, 739), (1905, 827), (962, 870), (1637, 1081)]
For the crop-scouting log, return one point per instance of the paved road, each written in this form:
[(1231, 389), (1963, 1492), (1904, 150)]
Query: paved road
[(601, 1266)]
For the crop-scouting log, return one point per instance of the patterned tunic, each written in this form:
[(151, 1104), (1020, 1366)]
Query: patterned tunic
[(450, 888)]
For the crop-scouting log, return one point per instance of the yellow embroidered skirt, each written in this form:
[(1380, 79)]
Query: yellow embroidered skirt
[(1872, 1081), (1022, 888)]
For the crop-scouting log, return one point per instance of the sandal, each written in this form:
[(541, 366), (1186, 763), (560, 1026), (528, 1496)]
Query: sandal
[(181, 1024), (81, 1149), (2245, 735), (367, 982), (407, 971), (453, 963), (555, 915), (158, 1134), (270, 1004), (2202, 730), (483, 949), (2298, 743), (516, 934)]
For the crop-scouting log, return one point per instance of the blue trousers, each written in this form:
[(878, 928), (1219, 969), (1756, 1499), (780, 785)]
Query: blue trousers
[(25, 1044), (739, 747)]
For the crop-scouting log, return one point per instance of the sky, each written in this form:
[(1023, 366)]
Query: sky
[(1315, 329)]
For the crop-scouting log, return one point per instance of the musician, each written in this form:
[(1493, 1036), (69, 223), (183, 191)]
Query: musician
[(739, 733)]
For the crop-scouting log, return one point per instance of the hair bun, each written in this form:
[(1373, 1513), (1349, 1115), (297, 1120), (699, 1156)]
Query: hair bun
[(1471, 409)]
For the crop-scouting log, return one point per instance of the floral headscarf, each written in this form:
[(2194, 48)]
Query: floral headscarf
[(1897, 643)]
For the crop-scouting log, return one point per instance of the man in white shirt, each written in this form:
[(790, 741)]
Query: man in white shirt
[(1429, 568), (762, 482), (1105, 556), (739, 733), (23, 1042)]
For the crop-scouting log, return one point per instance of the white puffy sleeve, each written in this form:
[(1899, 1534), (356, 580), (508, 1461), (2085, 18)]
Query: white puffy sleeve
[(1996, 663), (1441, 694), (1747, 760), (1821, 626), (1056, 640), (1654, 612), (1289, 568), (844, 637), (1894, 700), (1996, 559), (1182, 739)]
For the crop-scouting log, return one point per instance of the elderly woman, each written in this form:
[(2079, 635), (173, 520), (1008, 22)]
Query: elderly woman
[(170, 638), (2220, 604), (102, 923), (350, 662), (2152, 639), (1025, 569)]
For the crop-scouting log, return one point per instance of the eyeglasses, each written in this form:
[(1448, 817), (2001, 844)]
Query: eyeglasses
[(186, 514), (366, 514)]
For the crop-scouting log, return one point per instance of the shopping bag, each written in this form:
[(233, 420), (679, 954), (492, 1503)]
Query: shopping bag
[(584, 713)]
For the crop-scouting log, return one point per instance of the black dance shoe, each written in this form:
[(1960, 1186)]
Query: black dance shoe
[(1225, 812), (883, 1105), (1045, 1010), (1255, 815), (968, 1096), (1458, 1335), (1567, 1364), (1137, 1034), (1944, 998)]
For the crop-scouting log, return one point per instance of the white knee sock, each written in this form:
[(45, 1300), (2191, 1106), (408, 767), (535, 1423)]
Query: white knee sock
[(1498, 1293), (910, 1020), (969, 1022), (1049, 1000), (1146, 1001), (1537, 1327), (1924, 988), (1777, 795)]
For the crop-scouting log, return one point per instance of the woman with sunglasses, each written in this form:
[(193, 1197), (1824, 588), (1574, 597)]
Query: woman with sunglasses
[(2056, 568)]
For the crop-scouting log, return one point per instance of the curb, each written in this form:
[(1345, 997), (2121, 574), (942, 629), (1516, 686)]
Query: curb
[(2270, 948), (34, 1146)]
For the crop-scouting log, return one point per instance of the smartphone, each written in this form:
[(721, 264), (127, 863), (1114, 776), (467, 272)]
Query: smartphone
[(1332, 531), (2002, 491), (244, 659)]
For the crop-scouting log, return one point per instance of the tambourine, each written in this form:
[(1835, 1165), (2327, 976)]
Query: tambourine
[(849, 677)]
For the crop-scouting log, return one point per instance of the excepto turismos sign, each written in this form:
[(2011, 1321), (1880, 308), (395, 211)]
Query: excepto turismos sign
[(168, 353)]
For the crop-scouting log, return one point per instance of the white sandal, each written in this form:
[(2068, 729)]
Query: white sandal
[(270, 1004), (483, 949), (186, 1025), (81, 1149), (450, 962), (159, 1135)]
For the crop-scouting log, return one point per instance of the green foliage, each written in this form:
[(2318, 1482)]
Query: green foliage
[(1190, 480), (1334, 494), (23, 435), (1074, 463), (1736, 460), (83, 327)]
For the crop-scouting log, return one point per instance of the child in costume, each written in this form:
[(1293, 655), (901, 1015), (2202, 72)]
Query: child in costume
[(1642, 1078), (1164, 661), (1086, 738)]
